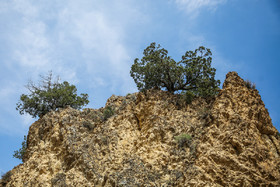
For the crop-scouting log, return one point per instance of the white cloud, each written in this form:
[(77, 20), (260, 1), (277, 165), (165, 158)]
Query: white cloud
[(83, 42), (193, 7), (100, 36), (49, 37), (25, 8), (30, 44)]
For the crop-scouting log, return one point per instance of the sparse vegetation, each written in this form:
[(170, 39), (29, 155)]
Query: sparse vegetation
[(193, 149), (6, 178), (20, 153), (124, 102), (183, 139), (59, 180), (204, 112), (50, 95), (130, 97), (92, 115), (89, 125), (250, 85), (104, 140), (108, 112)]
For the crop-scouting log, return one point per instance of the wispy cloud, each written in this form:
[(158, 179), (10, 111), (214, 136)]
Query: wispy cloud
[(193, 7), (69, 36), (83, 42), (87, 43)]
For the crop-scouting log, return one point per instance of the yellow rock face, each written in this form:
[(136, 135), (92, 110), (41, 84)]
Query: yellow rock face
[(155, 139)]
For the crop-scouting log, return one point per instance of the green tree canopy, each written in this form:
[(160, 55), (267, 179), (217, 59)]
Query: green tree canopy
[(192, 74), (50, 95)]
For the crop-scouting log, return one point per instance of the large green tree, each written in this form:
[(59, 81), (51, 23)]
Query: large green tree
[(50, 95), (192, 74)]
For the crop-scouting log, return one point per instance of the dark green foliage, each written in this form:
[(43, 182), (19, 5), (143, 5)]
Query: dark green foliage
[(250, 85), (193, 73), (20, 153), (89, 125), (50, 95), (6, 178), (183, 139), (108, 112), (187, 97)]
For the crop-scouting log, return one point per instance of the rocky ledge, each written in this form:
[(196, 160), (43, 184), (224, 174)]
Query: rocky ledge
[(155, 139)]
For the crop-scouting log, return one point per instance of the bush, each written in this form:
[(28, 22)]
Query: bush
[(193, 73), (6, 178), (250, 85), (108, 112), (89, 125), (187, 97), (20, 153), (50, 95), (183, 139)]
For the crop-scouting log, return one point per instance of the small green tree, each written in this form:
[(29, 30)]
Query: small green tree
[(20, 153), (50, 95), (192, 74)]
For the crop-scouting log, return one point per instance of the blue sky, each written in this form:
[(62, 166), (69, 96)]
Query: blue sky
[(92, 44)]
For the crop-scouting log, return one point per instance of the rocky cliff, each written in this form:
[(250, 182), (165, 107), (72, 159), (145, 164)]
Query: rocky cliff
[(155, 139)]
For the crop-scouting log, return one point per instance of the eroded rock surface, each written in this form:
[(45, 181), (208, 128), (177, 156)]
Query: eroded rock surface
[(232, 143)]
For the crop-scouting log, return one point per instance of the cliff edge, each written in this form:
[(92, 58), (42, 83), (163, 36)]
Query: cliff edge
[(155, 139)]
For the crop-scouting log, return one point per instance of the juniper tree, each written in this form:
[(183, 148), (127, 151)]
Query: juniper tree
[(192, 74), (50, 95)]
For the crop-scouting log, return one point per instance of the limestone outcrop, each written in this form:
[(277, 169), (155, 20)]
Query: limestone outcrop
[(155, 139)]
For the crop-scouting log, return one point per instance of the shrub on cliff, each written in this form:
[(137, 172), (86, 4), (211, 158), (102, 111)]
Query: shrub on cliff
[(50, 95), (6, 178), (250, 85), (108, 112), (183, 139), (20, 153), (192, 74)]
